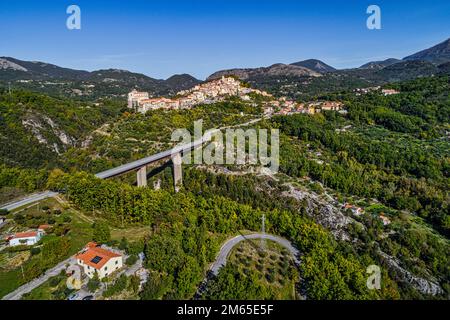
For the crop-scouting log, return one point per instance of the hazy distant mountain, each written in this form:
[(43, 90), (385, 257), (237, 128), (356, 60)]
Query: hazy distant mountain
[(12, 69), (182, 82), (380, 64), (275, 70), (406, 70), (314, 65), (438, 54)]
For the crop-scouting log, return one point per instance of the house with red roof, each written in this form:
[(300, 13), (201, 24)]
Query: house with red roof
[(97, 260), (28, 238)]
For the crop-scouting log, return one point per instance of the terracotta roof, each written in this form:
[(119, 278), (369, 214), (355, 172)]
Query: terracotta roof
[(27, 234), (91, 244), (44, 226), (93, 252)]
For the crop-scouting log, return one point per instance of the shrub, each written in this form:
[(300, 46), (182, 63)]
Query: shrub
[(131, 260), (35, 251), (54, 281), (94, 283), (102, 233), (119, 285), (123, 244)]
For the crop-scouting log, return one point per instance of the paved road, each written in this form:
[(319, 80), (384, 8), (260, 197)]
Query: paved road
[(19, 292), (29, 199), (221, 258)]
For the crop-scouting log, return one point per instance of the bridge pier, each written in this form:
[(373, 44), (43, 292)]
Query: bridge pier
[(142, 177), (177, 174)]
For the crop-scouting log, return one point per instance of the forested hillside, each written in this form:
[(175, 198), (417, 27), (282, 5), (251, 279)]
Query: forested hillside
[(36, 129)]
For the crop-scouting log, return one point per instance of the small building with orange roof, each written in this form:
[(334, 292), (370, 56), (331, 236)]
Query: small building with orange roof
[(95, 259), (44, 227), (28, 238)]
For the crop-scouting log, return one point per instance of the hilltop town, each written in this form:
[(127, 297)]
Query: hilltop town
[(219, 90)]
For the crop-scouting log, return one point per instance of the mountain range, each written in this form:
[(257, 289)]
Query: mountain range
[(114, 82), (29, 73)]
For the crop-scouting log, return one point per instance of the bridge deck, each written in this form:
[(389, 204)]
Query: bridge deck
[(135, 165)]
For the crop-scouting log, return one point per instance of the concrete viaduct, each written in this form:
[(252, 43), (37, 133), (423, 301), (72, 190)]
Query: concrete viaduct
[(140, 166)]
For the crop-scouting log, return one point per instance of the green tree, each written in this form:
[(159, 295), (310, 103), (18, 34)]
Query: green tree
[(101, 232)]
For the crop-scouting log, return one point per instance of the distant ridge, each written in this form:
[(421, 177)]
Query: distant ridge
[(438, 54), (12, 69), (274, 70), (380, 64), (315, 65)]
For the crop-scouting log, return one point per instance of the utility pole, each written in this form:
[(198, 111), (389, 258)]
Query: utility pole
[(21, 266), (263, 230)]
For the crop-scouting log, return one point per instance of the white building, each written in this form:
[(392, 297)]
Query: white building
[(134, 97), (95, 259), (28, 238), (389, 92)]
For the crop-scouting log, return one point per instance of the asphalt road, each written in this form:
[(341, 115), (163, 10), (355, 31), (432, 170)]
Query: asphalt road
[(221, 259), (19, 292), (29, 199)]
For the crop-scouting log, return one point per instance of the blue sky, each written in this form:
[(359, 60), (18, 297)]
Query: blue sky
[(163, 37)]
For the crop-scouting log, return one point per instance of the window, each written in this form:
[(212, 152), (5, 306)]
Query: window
[(117, 262)]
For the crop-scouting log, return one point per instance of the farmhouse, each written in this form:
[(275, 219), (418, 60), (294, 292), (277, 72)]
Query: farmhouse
[(95, 259), (28, 238)]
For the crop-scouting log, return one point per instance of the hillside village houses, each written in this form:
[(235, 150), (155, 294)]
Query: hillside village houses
[(135, 97), (386, 92), (217, 90), (27, 238), (206, 93), (95, 259), (357, 211), (389, 92)]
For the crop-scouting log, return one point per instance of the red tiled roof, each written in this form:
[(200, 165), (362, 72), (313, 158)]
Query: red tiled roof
[(44, 226), (27, 234), (93, 252)]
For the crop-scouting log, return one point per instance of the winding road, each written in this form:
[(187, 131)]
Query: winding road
[(225, 250)]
